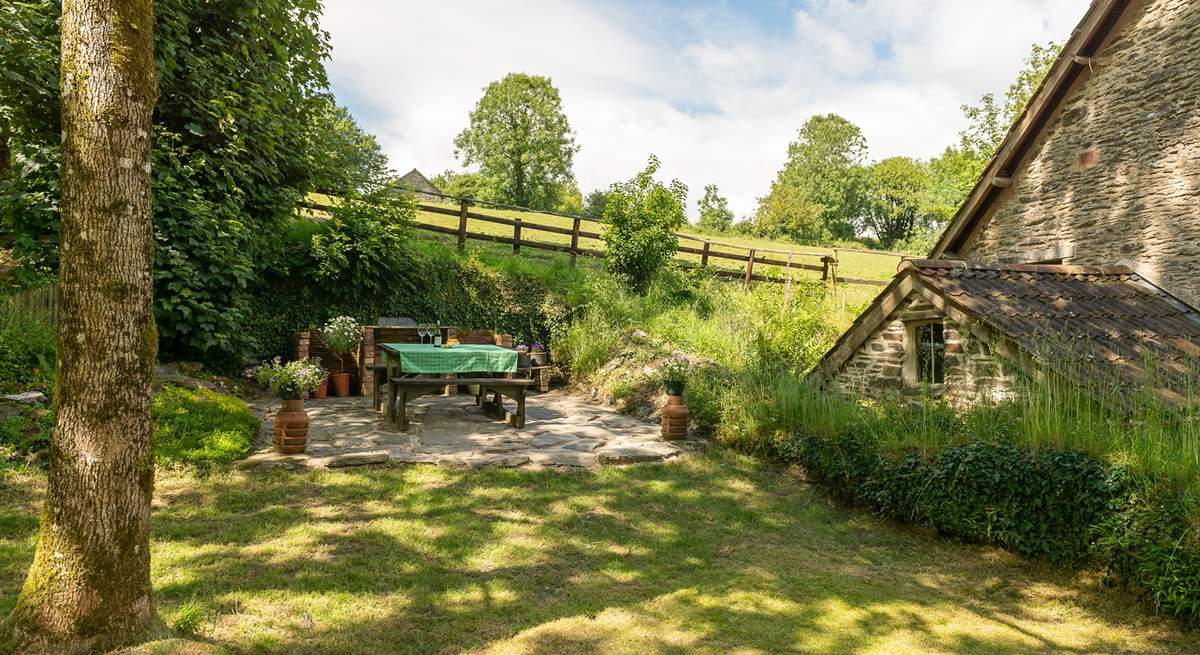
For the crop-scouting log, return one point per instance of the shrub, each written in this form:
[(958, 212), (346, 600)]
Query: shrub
[(365, 248), (27, 347), (200, 428), (290, 380), (640, 220)]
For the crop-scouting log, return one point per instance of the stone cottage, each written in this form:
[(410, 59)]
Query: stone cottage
[(415, 182), (1079, 246)]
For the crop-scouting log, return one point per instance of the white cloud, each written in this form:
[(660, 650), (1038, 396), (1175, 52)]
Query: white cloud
[(716, 96)]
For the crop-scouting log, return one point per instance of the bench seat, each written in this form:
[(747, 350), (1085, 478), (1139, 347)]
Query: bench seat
[(402, 390)]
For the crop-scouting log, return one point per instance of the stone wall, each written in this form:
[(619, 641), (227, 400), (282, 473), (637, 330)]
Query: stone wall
[(876, 371), (1115, 176)]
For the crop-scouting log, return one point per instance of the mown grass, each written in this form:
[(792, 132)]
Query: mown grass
[(714, 554)]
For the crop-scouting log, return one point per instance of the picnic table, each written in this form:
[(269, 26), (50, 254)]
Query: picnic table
[(492, 366)]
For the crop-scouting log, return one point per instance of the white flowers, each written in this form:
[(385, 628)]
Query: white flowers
[(342, 334), (289, 380)]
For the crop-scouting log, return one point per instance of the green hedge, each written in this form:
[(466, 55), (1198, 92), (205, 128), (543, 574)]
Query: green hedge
[(437, 284), (1060, 506)]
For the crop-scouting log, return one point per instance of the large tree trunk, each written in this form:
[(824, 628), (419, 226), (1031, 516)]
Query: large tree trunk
[(89, 585)]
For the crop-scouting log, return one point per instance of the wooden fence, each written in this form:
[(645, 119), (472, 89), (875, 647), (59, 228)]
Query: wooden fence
[(42, 301), (824, 263)]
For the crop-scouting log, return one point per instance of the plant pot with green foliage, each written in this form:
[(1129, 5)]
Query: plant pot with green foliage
[(675, 414), (341, 336), (290, 381)]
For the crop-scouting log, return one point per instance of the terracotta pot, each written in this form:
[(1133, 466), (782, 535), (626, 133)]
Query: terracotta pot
[(320, 392), (675, 418), (341, 384), (291, 428)]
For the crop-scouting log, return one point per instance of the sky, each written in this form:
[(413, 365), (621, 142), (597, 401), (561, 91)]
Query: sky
[(715, 89)]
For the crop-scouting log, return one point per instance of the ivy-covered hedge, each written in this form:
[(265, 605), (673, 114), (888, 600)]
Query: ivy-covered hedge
[(1060, 506), (435, 283)]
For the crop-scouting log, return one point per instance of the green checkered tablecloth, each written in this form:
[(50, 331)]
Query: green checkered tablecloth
[(465, 358)]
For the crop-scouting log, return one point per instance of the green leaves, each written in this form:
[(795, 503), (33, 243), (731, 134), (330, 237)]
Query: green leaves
[(522, 142), (714, 210), (640, 220)]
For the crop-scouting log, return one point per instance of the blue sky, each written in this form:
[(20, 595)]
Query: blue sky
[(715, 89)]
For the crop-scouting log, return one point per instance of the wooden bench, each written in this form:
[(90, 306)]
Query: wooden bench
[(402, 390)]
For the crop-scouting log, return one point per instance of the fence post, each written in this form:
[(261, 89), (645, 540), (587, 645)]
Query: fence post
[(749, 269), (574, 240), (704, 256), (516, 236), (462, 224)]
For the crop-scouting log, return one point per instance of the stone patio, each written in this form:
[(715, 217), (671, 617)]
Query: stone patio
[(561, 430)]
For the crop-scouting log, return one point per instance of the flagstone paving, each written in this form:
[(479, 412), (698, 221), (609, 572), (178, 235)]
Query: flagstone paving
[(561, 430)]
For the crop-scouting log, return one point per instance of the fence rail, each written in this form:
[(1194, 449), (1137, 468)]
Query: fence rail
[(42, 301), (794, 260)]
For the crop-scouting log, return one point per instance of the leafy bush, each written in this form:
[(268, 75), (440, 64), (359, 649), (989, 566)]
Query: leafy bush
[(23, 434), (640, 220), (200, 428), (27, 347), (365, 249), (964, 476), (290, 380)]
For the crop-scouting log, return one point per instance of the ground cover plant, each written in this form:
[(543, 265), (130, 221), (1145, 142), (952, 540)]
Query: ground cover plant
[(719, 553), (1054, 474)]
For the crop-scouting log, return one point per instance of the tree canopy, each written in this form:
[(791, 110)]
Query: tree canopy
[(824, 169), (714, 210), (896, 204), (522, 142), (244, 127)]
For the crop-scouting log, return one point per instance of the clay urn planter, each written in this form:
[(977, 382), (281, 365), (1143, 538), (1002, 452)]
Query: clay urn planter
[(291, 428), (675, 415), (675, 418), (290, 381)]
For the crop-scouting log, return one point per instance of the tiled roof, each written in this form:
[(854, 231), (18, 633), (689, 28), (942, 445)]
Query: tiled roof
[(1106, 323)]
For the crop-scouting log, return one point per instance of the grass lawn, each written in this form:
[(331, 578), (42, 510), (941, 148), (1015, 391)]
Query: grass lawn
[(714, 554)]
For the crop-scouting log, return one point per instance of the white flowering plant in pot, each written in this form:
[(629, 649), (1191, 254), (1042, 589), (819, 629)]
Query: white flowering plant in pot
[(341, 336), (290, 380)]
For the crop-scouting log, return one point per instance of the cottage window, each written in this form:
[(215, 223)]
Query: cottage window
[(926, 353)]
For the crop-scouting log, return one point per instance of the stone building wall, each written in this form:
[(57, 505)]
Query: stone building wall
[(1115, 176), (972, 374)]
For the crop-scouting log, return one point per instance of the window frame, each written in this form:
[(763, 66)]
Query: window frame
[(912, 353)]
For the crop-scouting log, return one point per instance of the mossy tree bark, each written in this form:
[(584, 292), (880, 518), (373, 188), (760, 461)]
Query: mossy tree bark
[(88, 588)]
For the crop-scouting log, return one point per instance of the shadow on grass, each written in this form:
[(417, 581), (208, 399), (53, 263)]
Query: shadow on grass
[(713, 554)]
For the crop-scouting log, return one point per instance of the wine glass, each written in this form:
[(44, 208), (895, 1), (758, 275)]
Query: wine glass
[(421, 332)]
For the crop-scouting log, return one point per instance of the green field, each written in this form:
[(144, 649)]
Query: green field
[(861, 265)]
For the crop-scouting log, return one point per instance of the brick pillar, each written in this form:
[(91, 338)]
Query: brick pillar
[(367, 359), (302, 344)]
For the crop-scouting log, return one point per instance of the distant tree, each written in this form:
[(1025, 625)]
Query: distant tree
[(461, 185), (825, 166), (714, 210), (345, 158), (991, 120), (953, 173), (88, 587), (593, 205), (788, 212), (896, 204), (640, 220), (569, 199), (521, 140)]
